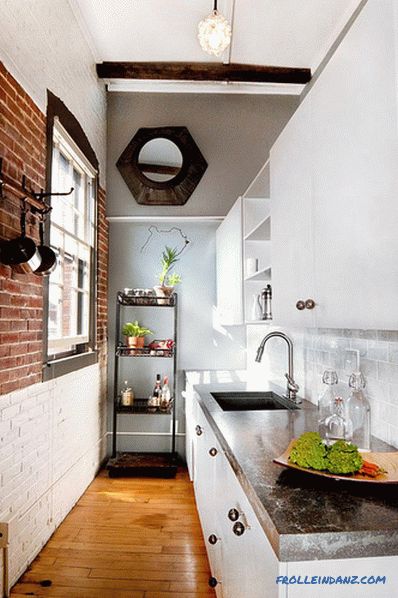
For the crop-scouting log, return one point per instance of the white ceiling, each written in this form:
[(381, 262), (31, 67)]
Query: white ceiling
[(269, 32)]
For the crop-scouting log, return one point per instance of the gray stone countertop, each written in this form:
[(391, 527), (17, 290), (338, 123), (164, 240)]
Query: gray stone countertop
[(305, 517)]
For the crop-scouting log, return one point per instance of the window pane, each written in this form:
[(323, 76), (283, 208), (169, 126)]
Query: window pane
[(72, 235), (54, 311)]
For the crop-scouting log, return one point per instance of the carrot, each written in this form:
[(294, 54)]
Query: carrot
[(370, 465), (370, 469)]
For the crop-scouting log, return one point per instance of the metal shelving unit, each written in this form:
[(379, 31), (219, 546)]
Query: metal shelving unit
[(134, 463)]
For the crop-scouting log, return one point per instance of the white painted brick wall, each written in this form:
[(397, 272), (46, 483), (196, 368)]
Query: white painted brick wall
[(52, 440)]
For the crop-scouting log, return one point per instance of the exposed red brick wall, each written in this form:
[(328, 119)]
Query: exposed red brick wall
[(23, 149), (102, 281)]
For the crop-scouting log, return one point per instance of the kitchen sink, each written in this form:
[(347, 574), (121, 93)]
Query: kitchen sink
[(251, 401)]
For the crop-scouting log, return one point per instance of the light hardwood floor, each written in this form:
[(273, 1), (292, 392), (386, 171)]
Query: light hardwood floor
[(125, 538)]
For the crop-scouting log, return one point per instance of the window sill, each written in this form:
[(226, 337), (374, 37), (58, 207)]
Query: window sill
[(61, 367)]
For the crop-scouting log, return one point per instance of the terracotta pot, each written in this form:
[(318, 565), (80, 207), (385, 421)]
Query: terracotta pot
[(162, 291), (137, 342)]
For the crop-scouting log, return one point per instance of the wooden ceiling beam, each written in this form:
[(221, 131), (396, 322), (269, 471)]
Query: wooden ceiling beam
[(203, 71)]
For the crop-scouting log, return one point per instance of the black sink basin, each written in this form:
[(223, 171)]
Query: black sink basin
[(251, 401)]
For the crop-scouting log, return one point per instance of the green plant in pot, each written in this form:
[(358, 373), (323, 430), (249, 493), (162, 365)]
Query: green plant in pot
[(135, 334), (167, 279)]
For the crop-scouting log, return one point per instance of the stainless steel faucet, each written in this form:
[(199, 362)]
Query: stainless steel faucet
[(292, 386)]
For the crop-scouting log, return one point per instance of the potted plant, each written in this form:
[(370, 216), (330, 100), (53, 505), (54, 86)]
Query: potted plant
[(167, 279), (135, 334)]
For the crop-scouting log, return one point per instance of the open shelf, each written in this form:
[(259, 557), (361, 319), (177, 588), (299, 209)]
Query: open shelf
[(263, 274), (147, 301), (261, 231), (125, 351), (152, 465), (140, 406)]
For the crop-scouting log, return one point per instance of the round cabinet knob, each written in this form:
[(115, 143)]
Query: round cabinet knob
[(233, 514), (310, 304), (213, 582), (238, 529), (213, 451), (300, 305), (198, 431), (212, 539)]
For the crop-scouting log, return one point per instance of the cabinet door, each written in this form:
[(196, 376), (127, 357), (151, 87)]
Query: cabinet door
[(355, 178), (291, 221), (249, 565), (230, 268), (205, 489), (190, 436)]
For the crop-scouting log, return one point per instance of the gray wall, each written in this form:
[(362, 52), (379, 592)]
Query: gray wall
[(202, 343), (233, 132)]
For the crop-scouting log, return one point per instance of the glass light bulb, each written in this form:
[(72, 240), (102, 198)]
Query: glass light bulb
[(214, 33)]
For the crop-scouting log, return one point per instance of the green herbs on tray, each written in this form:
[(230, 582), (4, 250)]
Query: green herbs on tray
[(310, 452)]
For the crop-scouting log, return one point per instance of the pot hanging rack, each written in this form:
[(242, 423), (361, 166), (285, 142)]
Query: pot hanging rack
[(36, 200)]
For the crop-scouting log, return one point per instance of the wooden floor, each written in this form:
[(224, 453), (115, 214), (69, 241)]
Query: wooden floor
[(125, 538)]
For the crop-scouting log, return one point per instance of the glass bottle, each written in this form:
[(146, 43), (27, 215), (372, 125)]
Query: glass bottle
[(358, 409), (337, 426), (154, 399), (165, 397), (256, 311), (327, 399), (126, 395)]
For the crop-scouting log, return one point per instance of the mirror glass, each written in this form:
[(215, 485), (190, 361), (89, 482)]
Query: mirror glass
[(160, 160)]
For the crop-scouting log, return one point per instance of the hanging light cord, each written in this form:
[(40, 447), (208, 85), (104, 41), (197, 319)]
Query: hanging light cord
[(215, 5), (153, 228), (232, 37)]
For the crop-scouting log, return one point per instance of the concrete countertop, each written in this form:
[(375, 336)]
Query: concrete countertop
[(304, 517)]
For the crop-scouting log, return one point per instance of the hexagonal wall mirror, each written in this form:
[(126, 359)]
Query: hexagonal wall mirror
[(162, 166)]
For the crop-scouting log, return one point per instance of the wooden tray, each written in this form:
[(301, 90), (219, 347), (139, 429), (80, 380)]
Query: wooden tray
[(387, 461)]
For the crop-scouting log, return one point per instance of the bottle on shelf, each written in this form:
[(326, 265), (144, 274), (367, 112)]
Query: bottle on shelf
[(358, 409), (165, 398), (336, 426), (256, 310), (154, 399), (126, 395), (326, 401)]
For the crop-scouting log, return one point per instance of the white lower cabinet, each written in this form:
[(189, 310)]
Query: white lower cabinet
[(242, 561)]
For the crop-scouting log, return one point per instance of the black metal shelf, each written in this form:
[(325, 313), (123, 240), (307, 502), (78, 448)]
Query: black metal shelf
[(147, 301), (140, 406), (148, 464), (152, 465), (125, 351)]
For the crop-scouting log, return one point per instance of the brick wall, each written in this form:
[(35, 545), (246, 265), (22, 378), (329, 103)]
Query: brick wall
[(102, 284), (23, 149), (52, 434)]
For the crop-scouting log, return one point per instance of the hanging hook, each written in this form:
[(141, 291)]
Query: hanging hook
[(40, 196)]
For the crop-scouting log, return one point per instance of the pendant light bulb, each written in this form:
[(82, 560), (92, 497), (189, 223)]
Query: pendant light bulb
[(214, 33)]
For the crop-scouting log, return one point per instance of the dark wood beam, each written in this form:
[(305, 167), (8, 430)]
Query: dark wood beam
[(203, 71)]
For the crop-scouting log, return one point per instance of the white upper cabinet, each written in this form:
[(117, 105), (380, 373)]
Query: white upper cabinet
[(291, 221), (334, 188), (229, 254)]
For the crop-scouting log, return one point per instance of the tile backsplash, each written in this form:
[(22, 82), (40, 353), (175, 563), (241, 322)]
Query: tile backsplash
[(316, 349)]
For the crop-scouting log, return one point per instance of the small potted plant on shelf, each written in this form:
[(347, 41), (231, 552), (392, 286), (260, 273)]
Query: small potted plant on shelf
[(167, 279), (135, 335)]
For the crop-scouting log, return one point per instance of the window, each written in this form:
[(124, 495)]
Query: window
[(71, 287)]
